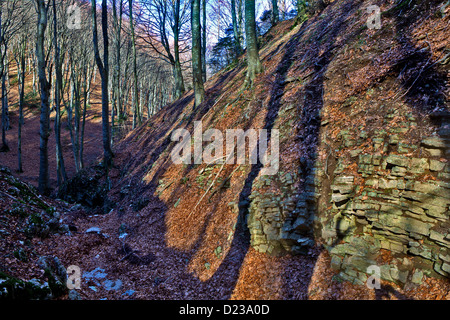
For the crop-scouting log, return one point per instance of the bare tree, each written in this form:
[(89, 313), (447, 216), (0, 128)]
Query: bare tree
[(236, 29), (204, 40), (117, 39), (254, 65), (163, 21), (104, 74), (10, 13), (44, 130), (21, 72), (60, 168), (20, 57), (197, 75), (136, 114), (275, 12)]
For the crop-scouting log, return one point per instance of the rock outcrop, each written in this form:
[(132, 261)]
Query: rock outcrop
[(395, 201)]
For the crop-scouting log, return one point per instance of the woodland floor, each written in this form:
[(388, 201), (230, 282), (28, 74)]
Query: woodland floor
[(154, 270), (30, 136)]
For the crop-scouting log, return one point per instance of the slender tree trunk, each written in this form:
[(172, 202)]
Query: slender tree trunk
[(76, 124), (197, 73), (21, 76), (204, 40), (237, 40), (5, 116), (82, 133), (136, 115), (86, 91), (178, 78), (141, 98), (125, 89), (44, 130), (8, 83), (104, 74), (253, 62), (19, 134), (240, 21), (275, 12), (113, 110), (218, 22), (60, 168), (93, 81), (70, 120), (177, 72), (117, 69), (148, 104), (3, 49), (34, 70), (133, 106)]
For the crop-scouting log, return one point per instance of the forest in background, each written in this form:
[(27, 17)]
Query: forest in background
[(138, 55)]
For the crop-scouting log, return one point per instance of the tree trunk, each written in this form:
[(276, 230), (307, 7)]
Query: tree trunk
[(237, 40), (204, 40), (76, 125), (240, 19), (83, 124), (136, 116), (178, 78), (3, 48), (197, 73), (70, 120), (148, 104), (8, 83), (44, 130), (133, 105), (5, 116), (86, 91), (94, 71), (253, 62), (177, 73), (104, 74), (141, 99), (275, 12), (60, 168), (117, 70), (21, 76), (34, 70)]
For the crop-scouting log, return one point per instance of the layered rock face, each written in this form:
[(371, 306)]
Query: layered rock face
[(393, 203), (396, 210)]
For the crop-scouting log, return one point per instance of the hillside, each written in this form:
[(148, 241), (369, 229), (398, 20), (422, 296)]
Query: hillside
[(363, 176)]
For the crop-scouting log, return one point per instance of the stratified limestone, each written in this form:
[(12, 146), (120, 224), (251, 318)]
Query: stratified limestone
[(387, 205)]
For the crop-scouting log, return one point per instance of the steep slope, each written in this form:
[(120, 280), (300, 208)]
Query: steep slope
[(353, 107)]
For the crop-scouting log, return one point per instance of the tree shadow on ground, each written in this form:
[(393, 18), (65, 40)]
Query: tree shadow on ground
[(226, 276), (319, 53)]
